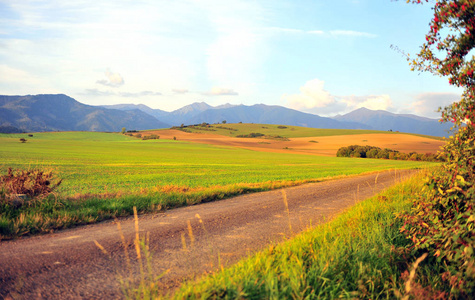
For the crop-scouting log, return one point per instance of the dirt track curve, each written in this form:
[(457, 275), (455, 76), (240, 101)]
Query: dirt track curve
[(68, 264)]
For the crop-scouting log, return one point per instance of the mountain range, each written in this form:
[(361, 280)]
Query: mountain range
[(62, 113)]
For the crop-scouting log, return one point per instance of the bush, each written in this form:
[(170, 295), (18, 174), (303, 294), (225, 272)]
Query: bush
[(443, 222), (33, 184), (251, 135), (151, 137), (376, 152)]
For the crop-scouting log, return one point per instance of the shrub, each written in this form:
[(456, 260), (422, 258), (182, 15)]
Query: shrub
[(34, 184), (151, 137), (443, 222), (23, 140), (251, 135), (376, 152)]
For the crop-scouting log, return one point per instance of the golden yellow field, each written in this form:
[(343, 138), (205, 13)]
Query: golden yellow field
[(321, 145)]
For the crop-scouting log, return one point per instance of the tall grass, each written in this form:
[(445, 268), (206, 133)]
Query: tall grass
[(54, 212), (360, 254)]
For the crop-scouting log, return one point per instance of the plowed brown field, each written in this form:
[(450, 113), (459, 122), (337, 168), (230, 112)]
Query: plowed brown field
[(324, 146)]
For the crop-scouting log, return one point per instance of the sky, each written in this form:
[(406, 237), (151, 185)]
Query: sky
[(318, 56)]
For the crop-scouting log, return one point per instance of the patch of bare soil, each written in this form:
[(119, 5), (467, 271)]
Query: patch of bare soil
[(188, 241), (323, 146)]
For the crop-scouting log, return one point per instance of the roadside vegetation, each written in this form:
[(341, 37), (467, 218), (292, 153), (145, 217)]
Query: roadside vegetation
[(359, 254)]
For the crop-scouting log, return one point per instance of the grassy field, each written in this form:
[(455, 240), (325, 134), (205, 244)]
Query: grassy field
[(359, 255), (106, 174), (235, 129), (96, 163)]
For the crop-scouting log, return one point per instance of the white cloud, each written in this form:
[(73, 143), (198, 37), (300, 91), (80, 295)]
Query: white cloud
[(334, 33), (220, 92), (318, 32), (140, 94), (180, 91), (113, 79), (235, 51), (284, 30), (351, 33), (312, 95), (314, 98), (374, 102), (19, 81), (96, 93), (426, 103)]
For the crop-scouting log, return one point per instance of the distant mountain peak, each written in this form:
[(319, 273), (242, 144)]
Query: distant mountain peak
[(227, 105), (195, 107), (384, 120)]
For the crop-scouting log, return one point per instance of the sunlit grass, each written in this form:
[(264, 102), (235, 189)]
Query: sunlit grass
[(358, 255), (109, 163)]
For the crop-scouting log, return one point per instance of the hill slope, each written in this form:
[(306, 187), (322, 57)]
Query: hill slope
[(63, 113)]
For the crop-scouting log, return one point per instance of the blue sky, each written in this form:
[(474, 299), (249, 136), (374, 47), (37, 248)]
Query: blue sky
[(323, 57)]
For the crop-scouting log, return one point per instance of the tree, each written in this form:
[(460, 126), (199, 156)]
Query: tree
[(443, 222), (123, 130), (446, 53)]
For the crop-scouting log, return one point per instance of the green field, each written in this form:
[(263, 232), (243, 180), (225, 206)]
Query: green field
[(105, 175), (235, 129), (95, 163)]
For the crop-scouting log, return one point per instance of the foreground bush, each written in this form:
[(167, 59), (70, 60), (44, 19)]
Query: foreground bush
[(32, 184), (442, 221)]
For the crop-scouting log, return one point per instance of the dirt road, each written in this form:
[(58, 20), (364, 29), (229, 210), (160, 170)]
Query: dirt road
[(69, 265)]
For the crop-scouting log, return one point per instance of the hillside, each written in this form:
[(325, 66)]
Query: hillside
[(297, 140), (62, 113)]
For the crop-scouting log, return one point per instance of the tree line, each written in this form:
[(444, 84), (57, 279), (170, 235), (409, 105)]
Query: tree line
[(376, 152)]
